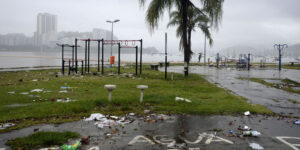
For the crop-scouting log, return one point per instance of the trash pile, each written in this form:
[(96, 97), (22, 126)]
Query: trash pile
[(244, 132), (109, 121), (6, 125), (297, 122), (67, 100), (182, 99)]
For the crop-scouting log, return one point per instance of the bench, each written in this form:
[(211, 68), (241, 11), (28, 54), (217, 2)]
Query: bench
[(154, 67), (162, 63)]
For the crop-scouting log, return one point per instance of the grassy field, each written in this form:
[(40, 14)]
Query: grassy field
[(41, 140), (90, 96)]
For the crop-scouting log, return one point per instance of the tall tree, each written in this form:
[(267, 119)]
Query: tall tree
[(157, 8), (196, 19)]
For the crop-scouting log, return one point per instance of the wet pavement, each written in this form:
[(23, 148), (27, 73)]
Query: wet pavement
[(277, 100), (186, 131)]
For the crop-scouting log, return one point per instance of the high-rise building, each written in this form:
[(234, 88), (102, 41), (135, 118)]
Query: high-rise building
[(46, 32)]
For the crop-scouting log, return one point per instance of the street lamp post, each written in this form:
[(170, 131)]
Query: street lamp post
[(112, 32)]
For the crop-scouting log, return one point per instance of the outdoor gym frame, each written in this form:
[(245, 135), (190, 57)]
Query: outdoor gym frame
[(102, 42)]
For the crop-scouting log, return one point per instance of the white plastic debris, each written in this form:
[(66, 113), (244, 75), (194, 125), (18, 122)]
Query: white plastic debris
[(251, 133), (146, 111), (36, 90), (247, 113), (182, 99), (246, 128), (63, 91), (131, 114), (255, 146), (34, 80), (6, 125), (114, 117), (11, 92), (96, 116), (297, 122), (64, 100), (24, 93)]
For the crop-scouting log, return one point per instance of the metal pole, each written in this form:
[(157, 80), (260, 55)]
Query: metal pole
[(82, 67), (102, 61), (69, 67), (136, 60), (119, 58), (89, 47), (112, 38), (249, 61), (62, 58), (85, 56), (76, 61), (204, 49), (141, 57), (279, 49), (73, 55), (166, 59), (99, 56)]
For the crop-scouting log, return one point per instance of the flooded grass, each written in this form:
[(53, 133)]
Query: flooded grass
[(284, 84), (41, 139), (90, 96)]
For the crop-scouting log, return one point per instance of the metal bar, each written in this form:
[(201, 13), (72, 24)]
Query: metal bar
[(69, 67), (63, 67), (82, 67), (166, 59), (141, 62), (102, 61), (136, 61), (279, 49), (119, 58), (76, 60), (62, 58), (249, 61), (73, 56), (98, 56), (85, 55), (89, 48)]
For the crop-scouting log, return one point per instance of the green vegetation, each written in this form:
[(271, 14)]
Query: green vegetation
[(90, 96), (285, 85), (41, 140)]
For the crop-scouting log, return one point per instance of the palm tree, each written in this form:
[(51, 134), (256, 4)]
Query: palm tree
[(195, 19), (156, 9)]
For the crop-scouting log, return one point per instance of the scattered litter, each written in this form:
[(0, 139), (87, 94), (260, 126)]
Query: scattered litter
[(71, 147), (131, 114), (251, 133), (96, 116), (247, 113), (37, 90), (64, 87), (24, 93), (11, 92), (34, 80), (63, 91), (182, 99), (246, 128), (230, 132), (255, 146), (103, 121), (6, 125), (297, 122), (146, 111), (65, 100)]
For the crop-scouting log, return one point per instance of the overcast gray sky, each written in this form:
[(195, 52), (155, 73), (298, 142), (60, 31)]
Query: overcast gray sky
[(257, 23)]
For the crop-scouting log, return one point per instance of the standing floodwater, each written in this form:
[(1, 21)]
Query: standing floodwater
[(275, 99)]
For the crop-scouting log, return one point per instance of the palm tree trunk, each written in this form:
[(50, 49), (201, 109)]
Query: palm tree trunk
[(184, 6), (190, 43)]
